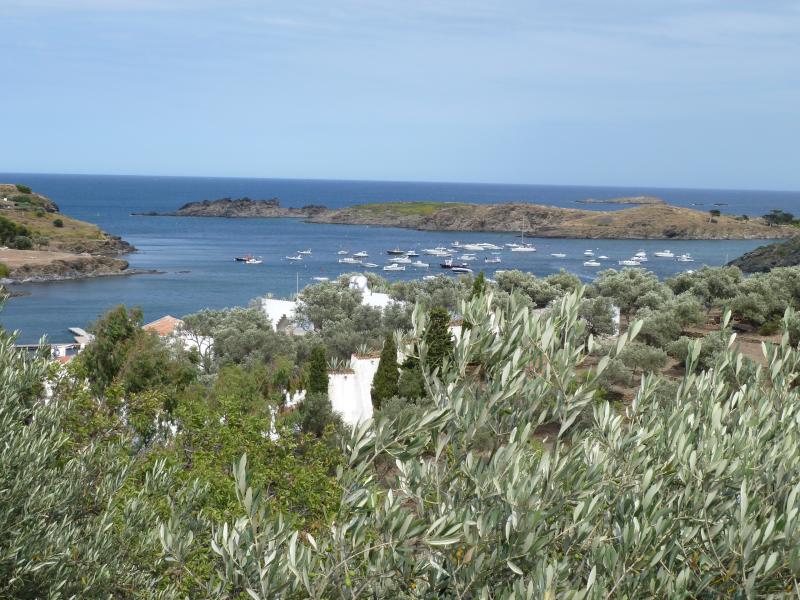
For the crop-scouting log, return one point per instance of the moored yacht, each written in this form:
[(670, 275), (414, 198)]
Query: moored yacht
[(558, 255), (304, 252), (664, 254), (591, 263), (395, 252), (419, 264), (394, 267), (401, 260), (361, 254), (685, 258), (349, 261), (523, 248), (295, 257)]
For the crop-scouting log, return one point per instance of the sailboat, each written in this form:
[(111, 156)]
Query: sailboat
[(523, 247)]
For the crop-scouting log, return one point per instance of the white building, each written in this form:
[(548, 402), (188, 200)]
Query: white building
[(350, 390)]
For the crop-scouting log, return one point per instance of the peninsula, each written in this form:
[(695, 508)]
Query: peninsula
[(766, 258), (652, 218), (625, 200), (38, 243), (239, 208), (649, 221)]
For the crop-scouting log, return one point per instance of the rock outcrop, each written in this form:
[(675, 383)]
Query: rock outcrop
[(765, 258), (239, 208)]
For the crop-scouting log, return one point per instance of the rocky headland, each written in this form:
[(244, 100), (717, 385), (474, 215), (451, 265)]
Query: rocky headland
[(39, 243), (239, 208), (625, 200), (766, 258)]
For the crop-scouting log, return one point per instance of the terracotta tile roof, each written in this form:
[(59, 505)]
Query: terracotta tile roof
[(65, 359), (163, 326)]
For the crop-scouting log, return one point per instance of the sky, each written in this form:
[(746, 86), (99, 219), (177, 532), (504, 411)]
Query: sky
[(669, 93)]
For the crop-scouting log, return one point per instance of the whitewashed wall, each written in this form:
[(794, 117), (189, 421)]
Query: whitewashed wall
[(350, 393)]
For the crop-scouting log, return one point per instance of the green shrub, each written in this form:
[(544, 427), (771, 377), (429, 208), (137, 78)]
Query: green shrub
[(39, 212), (4, 270), (23, 242), (58, 223), (23, 188)]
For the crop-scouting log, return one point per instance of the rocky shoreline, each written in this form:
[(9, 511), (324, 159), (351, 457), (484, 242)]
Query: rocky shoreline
[(766, 258)]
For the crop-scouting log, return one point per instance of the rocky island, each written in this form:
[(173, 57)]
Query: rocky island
[(39, 243), (625, 200), (239, 208), (649, 221)]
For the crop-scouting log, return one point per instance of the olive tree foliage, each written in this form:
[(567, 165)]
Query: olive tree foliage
[(241, 336), (631, 289), (68, 526), (694, 493)]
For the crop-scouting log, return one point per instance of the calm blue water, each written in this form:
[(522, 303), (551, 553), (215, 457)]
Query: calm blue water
[(196, 254)]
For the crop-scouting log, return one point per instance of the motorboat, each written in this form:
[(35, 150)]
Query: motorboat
[(664, 254), (436, 251), (343, 252), (588, 253), (244, 258), (394, 267), (296, 257), (558, 255), (395, 252), (401, 260), (429, 278), (466, 257), (512, 245), (461, 269), (349, 261), (524, 248), (630, 262), (472, 247), (304, 252), (487, 246), (448, 264), (253, 261), (591, 263), (369, 265), (412, 253), (361, 254), (685, 258), (321, 279), (641, 256), (602, 257), (420, 265), (492, 261)]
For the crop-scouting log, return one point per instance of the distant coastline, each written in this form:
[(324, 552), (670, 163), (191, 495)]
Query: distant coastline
[(653, 218)]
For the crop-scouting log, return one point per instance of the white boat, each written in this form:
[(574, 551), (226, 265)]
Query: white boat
[(349, 261), (395, 252), (305, 252), (436, 252), (253, 261), (429, 277), (524, 248), (664, 254), (361, 254), (685, 258), (420, 265), (296, 257), (400, 260), (602, 257), (343, 252), (394, 267), (369, 265), (467, 257), (558, 255), (630, 263), (641, 256), (588, 253), (321, 278), (412, 253), (472, 247), (487, 246), (591, 263), (512, 245), (491, 261), (461, 270)]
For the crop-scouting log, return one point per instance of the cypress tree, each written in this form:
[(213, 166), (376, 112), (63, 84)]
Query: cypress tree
[(317, 372), (438, 337), (478, 286), (384, 385)]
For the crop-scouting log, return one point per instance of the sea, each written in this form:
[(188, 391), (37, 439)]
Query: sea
[(194, 256)]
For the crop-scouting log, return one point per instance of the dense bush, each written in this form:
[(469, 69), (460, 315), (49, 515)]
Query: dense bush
[(58, 223), (23, 242), (4, 270), (24, 189)]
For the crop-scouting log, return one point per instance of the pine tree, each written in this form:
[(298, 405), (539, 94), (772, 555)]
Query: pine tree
[(317, 372), (384, 385), (438, 337)]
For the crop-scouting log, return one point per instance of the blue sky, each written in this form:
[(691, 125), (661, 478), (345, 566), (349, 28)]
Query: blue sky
[(678, 93)]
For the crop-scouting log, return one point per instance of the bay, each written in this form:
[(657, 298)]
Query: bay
[(195, 255)]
